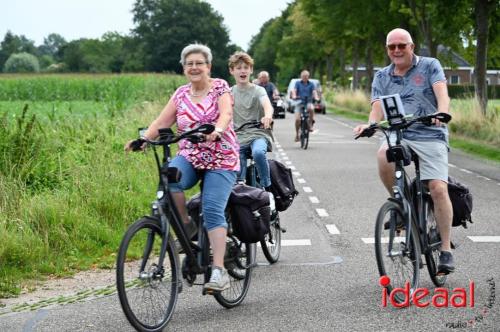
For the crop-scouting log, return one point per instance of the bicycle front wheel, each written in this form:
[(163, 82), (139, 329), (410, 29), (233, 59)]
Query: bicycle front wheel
[(304, 134), (396, 259), (434, 242), (147, 288), (271, 245), (238, 261)]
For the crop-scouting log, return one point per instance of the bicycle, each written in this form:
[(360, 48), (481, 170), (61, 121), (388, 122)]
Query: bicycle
[(271, 244), (148, 265), (408, 216)]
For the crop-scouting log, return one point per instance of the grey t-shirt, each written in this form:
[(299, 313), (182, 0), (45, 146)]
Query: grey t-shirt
[(415, 89), (248, 107)]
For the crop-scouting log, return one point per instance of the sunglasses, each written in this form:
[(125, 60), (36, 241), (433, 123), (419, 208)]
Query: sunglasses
[(392, 47)]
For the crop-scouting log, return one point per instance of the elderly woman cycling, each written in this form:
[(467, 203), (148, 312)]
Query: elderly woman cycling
[(203, 100)]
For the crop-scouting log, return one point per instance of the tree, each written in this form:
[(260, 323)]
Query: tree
[(15, 44), (21, 63), (482, 9), (165, 27), (52, 45)]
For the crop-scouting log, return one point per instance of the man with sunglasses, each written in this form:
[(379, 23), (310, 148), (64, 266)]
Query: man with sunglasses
[(421, 83)]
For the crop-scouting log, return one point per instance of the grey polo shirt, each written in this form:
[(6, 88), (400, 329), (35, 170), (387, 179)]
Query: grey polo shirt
[(415, 89)]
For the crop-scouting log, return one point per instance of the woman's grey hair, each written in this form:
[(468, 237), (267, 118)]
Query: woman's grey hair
[(196, 48)]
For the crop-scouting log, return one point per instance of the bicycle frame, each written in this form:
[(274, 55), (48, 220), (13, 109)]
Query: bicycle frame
[(164, 207)]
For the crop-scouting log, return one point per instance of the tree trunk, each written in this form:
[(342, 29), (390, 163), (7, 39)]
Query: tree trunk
[(369, 68), (481, 9), (329, 68), (341, 52), (355, 57)]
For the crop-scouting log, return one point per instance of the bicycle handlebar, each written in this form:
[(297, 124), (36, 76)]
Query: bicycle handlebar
[(407, 122), (251, 124), (168, 137)]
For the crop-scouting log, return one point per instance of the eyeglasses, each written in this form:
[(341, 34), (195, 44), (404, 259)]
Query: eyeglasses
[(192, 64), (392, 47)]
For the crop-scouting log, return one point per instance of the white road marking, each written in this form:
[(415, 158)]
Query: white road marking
[(285, 158), (484, 238), (451, 165), (314, 199), (292, 168), (281, 150), (301, 180), (371, 240), (296, 173), (465, 170), (322, 212), (332, 229), (299, 242), (307, 189), (288, 162), (483, 177)]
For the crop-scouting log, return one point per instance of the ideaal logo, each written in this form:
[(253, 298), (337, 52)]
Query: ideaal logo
[(441, 297)]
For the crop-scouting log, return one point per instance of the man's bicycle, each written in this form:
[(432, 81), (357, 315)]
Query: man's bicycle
[(271, 245), (406, 226), (148, 266)]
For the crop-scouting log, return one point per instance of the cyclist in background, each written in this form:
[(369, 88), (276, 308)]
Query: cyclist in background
[(272, 91), (251, 103), (304, 89), (421, 83)]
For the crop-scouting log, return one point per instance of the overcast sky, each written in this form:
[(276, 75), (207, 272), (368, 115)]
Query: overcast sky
[(74, 19)]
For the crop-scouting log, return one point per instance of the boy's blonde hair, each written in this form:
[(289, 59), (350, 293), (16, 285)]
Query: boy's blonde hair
[(238, 57)]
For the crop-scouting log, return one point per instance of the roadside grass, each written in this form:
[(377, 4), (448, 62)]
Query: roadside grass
[(67, 189), (470, 131)]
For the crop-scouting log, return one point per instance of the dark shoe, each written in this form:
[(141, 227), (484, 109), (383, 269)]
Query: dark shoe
[(446, 264), (400, 225)]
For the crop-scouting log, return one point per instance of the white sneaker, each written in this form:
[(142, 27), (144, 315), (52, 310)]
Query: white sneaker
[(219, 280)]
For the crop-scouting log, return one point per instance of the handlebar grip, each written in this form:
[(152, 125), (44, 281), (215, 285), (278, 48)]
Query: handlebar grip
[(136, 145)]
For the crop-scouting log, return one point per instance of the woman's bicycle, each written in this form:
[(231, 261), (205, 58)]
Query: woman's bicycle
[(148, 266), (271, 244), (406, 227)]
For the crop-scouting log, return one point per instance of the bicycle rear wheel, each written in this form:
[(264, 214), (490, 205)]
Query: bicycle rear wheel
[(434, 242), (396, 259), (238, 261), (304, 134), (147, 293), (271, 245)]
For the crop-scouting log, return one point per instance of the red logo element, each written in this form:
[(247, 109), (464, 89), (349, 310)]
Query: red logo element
[(439, 298), (418, 80)]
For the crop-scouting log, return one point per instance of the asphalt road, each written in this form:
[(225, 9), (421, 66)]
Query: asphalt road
[(327, 279)]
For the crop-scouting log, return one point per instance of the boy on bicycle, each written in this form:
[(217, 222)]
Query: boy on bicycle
[(251, 103)]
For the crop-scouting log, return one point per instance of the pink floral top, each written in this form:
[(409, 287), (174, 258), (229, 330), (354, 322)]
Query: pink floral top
[(223, 154)]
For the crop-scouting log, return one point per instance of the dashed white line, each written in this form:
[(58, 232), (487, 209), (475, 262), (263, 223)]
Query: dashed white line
[(285, 157), (299, 242), (371, 240), (465, 170), (281, 150), (332, 229), (301, 180), (483, 177), (484, 238), (292, 168), (288, 162), (322, 212), (307, 189), (314, 199), (296, 173)]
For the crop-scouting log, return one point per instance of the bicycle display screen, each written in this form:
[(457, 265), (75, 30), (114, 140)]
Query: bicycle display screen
[(393, 108)]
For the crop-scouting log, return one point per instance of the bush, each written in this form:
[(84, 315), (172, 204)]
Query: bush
[(22, 63)]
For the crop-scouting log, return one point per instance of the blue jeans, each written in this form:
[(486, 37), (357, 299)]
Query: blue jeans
[(258, 147), (217, 186)]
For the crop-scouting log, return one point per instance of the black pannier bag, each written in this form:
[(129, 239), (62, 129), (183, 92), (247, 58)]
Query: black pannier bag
[(461, 200), (250, 213), (282, 185)]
